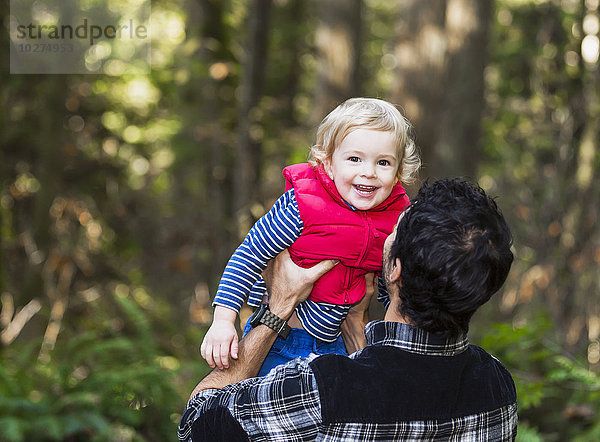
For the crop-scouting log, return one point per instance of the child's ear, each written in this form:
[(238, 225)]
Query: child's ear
[(327, 167), (396, 179)]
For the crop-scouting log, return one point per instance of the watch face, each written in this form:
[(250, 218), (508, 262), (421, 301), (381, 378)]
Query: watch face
[(257, 315)]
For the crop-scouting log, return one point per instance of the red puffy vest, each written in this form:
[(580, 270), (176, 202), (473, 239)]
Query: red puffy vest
[(332, 230)]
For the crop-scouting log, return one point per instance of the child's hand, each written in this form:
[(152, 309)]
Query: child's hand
[(221, 339)]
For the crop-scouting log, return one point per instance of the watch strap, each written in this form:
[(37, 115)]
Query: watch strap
[(274, 322), (258, 314)]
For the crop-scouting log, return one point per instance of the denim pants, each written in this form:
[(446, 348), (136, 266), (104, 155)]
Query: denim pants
[(298, 343)]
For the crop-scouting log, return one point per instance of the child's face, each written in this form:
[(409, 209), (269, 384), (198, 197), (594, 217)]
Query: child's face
[(363, 167)]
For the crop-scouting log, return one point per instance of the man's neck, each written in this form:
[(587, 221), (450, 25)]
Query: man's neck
[(393, 314)]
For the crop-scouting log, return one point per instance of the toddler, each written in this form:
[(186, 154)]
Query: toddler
[(341, 205)]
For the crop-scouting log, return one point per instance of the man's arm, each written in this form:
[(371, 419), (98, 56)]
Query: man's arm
[(288, 285)]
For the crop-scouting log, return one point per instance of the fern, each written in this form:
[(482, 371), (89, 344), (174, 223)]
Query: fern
[(558, 394), (97, 384)]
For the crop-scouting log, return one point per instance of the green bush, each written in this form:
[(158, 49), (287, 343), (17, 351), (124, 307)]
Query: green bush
[(558, 394), (98, 386)]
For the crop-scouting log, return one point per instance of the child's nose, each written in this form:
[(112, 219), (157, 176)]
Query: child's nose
[(368, 170)]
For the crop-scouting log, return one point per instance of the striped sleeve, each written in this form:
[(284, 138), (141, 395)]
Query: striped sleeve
[(274, 232), (322, 320), (257, 292)]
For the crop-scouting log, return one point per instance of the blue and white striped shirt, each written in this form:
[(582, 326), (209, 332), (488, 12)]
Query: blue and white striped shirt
[(241, 279)]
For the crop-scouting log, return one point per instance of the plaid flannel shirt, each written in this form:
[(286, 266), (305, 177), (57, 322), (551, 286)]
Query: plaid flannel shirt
[(285, 405)]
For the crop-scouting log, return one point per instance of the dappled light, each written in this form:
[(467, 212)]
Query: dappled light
[(125, 188)]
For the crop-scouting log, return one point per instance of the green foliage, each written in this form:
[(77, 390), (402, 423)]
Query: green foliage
[(541, 101), (527, 434), (139, 190), (98, 385), (542, 161), (558, 395)]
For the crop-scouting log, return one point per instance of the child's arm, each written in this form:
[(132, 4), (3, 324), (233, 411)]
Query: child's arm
[(275, 231), (221, 339), (353, 327), (271, 234)]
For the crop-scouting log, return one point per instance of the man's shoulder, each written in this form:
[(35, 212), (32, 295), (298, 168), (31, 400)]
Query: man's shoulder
[(434, 387), (486, 368), (481, 358)]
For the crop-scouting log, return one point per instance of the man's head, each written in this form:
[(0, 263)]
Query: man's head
[(449, 254)]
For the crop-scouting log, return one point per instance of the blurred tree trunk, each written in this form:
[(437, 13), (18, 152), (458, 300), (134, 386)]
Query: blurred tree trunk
[(289, 45), (41, 263), (338, 43), (218, 235), (441, 53), (248, 147), (293, 49), (6, 230), (575, 301), (543, 120)]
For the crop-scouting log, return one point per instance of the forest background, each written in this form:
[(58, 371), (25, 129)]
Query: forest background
[(122, 195)]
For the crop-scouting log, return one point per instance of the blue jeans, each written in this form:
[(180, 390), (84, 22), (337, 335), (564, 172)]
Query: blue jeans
[(298, 343)]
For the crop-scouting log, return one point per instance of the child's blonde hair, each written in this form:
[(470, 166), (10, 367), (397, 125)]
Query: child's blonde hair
[(367, 113)]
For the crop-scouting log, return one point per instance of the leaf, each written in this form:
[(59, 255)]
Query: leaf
[(12, 429)]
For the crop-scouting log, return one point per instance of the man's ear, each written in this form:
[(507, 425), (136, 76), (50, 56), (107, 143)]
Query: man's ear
[(396, 271)]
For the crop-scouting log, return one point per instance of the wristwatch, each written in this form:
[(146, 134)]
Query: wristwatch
[(264, 316)]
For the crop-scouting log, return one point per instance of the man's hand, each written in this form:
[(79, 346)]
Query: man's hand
[(289, 284)]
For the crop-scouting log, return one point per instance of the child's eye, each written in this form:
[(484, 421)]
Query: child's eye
[(354, 159), (383, 162)]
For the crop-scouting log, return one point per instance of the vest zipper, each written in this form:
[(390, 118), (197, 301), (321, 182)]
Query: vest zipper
[(369, 228), (368, 225), (347, 284)]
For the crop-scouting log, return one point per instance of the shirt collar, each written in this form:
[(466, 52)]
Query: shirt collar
[(413, 339)]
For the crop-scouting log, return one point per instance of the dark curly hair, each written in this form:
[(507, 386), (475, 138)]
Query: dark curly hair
[(454, 249)]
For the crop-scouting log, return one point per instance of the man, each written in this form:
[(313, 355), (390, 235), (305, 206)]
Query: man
[(417, 378)]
